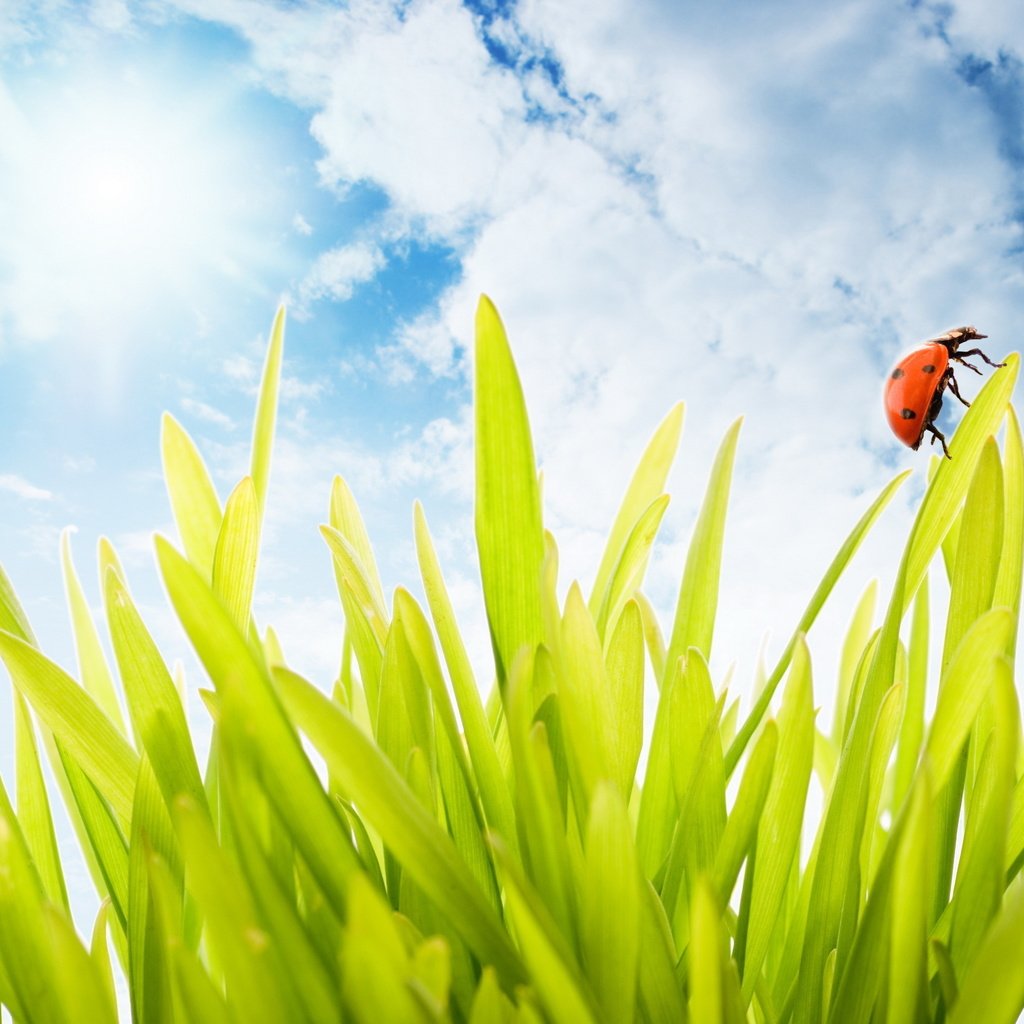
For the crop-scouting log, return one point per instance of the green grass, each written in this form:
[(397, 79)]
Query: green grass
[(502, 860)]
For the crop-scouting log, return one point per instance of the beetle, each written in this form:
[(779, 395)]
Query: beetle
[(914, 388)]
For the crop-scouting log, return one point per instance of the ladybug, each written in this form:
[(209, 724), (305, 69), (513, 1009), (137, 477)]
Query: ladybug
[(913, 391)]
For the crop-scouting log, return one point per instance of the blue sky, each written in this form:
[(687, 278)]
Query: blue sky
[(752, 207)]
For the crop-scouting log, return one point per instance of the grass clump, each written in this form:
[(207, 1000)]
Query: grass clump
[(476, 861)]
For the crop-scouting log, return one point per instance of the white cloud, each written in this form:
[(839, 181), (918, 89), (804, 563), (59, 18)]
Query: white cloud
[(207, 413), (336, 272), (301, 225), (241, 369), (21, 488)]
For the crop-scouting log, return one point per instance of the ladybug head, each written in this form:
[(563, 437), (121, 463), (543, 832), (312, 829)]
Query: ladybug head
[(958, 336)]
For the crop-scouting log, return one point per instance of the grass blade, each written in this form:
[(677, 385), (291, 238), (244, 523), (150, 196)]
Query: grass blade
[(266, 412)]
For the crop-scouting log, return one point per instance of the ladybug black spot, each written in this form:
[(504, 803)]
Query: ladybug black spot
[(928, 369), (897, 373), (909, 414)]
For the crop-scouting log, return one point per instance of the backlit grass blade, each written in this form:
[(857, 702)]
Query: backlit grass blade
[(494, 794), (34, 807), (158, 718), (266, 411), (890, 714), (346, 518), (194, 500), (646, 485), (660, 993), (980, 875), (249, 955), (509, 534), (747, 811), (148, 972), (611, 905), (653, 638), (907, 1001), (82, 988), (624, 664), (778, 835), (12, 615), (255, 712), (1015, 836), (912, 728), (545, 845), (1011, 560), (234, 560), (76, 720), (856, 640), (992, 989), (92, 663), (630, 569), (554, 976), (829, 580), (706, 956), (387, 803), (697, 604)]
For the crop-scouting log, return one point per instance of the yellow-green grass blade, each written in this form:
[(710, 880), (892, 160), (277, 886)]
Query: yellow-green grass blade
[(630, 569), (624, 666), (908, 1000), (854, 644), (266, 411), (345, 517), (194, 501), (311, 980), (697, 773), (912, 728), (12, 616), (407, 828), (646, 485), (653, 638), (660, 995), (778, 834), (25, 946), (509, 533), (967, 683), (658, 809), (1011, 559), (980, 875), (237, 551), (253, 710), (1015, 836), (742, 823), (890, 714), (494, 794), (92, 663), (490, 1004), (83, 989), (611, 905), (34, 807), (697, 604), (158, 718), (583, 699), (706, 955), (81, 726), (545, 846), (814, 606), (100, 951), (250, 957), (992, 989), (148, 974), (555, 978)]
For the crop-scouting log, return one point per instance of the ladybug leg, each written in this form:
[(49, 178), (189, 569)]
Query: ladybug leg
[(936, 433), (963, 362), (951, 382), (977, 352)]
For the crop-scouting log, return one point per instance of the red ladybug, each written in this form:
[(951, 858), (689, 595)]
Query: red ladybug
[(913, 392)]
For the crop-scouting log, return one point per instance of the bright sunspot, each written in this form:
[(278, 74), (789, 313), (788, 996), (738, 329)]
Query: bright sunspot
[(126, 197)]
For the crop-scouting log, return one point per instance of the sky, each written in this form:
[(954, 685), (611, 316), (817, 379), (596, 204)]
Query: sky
[(751, 207)]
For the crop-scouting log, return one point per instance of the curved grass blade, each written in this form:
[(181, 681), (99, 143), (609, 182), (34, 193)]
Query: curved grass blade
[(345, 517), (647, 483), (386, 802), (266, 411), (234, 560), (194, 501), (1011, 559), (509, 533), (76, 720), (694, 622)]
